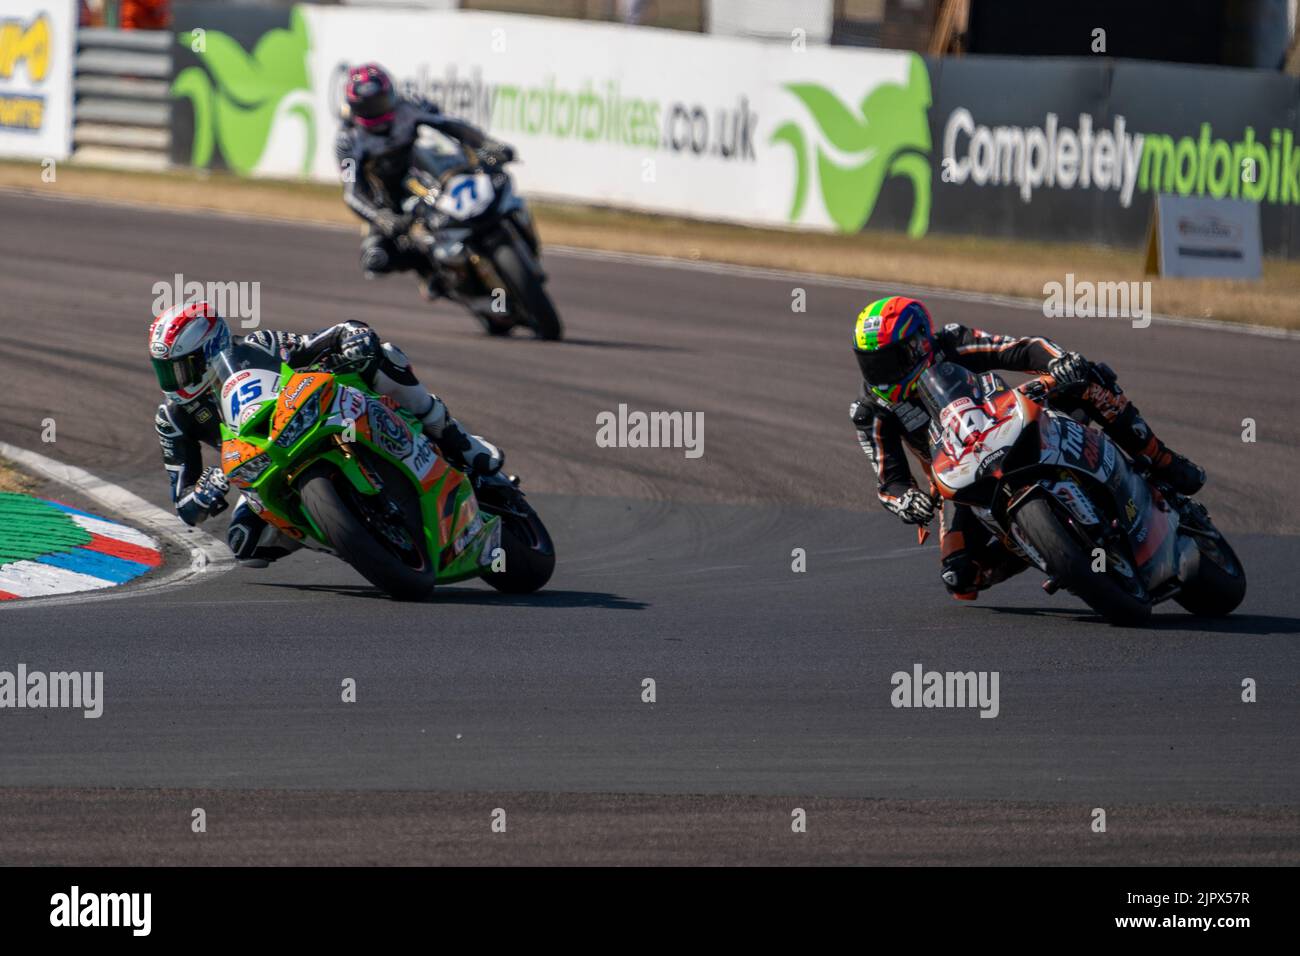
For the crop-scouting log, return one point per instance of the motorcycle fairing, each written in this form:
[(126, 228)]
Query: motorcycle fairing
[(459, 537), (970, 434)]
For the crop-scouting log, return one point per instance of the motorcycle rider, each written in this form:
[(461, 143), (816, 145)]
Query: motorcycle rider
[(184, 341), (374, 154), (895, 342)]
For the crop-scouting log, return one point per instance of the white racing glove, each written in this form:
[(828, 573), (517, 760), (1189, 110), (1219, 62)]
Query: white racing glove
[(914, 506)]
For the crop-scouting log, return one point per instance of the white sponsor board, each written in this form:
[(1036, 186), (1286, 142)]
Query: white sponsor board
[(37, 43), (1208, 238), (642, 118)]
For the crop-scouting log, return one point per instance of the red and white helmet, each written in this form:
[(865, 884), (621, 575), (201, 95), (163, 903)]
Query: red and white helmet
[(183, 341)]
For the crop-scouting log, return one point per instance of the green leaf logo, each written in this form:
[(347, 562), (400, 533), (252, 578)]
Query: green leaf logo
[(889, 135), (240, 98)]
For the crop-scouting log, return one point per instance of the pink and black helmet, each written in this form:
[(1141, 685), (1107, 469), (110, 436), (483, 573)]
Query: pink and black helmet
[(371, 101)]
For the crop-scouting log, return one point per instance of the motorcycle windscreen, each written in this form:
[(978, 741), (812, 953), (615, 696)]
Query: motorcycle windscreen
[(944, 384), (958, 413), (249, 378)]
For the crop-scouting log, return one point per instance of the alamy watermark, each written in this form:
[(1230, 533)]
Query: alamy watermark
[(76, 909), (232, 300), (37, 690), (1106, 300), (636, 429), (922, 688)]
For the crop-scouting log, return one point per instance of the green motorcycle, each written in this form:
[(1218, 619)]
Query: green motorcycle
[(332, 464)]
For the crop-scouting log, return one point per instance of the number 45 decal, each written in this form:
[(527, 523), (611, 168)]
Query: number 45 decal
[(248, 392)]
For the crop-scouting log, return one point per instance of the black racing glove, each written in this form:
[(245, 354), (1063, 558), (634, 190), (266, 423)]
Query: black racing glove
[(1070, 369), (210, 490), (914, 506), (357, 344), (392, 224), (497, 155)]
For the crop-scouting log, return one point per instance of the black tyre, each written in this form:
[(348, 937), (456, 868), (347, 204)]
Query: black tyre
[(1218, 585), (1068, 562), (528, 297), (387, 549), (529, 551)]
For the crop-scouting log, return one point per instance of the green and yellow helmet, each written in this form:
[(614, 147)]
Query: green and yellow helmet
[(894, 342)]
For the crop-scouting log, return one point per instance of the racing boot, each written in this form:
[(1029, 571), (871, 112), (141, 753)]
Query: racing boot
[(965, 575), (961, 573), (1131, 432), (469, 453), (253, 542)]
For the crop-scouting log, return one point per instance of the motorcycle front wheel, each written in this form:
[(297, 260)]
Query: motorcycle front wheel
[(389, 554), (1071, 565)]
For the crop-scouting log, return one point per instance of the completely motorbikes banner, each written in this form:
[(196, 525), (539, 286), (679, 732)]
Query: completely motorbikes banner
[(764, 133), (37, 44), (1075, 149)]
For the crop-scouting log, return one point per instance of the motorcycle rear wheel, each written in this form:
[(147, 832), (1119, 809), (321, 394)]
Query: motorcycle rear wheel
[(527, 294), (1069, 564), (1219, 584), (529, 551)]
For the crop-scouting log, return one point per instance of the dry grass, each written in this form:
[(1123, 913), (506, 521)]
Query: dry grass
[(997, 266), (12, 480)]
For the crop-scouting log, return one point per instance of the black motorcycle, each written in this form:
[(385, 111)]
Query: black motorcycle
[(479, 237)]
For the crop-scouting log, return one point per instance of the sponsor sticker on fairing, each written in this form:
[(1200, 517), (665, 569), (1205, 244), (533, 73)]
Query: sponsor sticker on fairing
[(352, 404), (424, 456), (389, 430), (1070, 495), (475, 526), (490, 546)]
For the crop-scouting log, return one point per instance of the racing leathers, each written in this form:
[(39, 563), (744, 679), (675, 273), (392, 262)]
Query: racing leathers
[(973, 558), (184, 428), (374, 167)]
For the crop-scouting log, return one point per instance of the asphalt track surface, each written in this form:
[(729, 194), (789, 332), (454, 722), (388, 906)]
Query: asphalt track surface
[(773, 687)]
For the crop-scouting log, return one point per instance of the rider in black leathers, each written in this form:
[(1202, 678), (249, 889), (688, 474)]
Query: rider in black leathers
[(374, 154)]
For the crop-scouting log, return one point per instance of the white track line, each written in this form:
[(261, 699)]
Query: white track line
[(693, 265), (216, 557)]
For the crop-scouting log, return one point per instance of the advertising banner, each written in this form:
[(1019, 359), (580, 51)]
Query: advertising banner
[(37, 45), (1202, 237), (241, 91), (1072, 150), (645, 119), (772, 134)]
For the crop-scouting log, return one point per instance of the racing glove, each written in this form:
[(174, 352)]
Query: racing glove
[(392, 224), (914, 506), (1070, 369), (357, 344), (496, 155), (210, 490)]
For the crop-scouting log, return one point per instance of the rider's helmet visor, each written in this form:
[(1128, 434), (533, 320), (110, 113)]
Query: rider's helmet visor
[(180, 374), (892, 364)]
